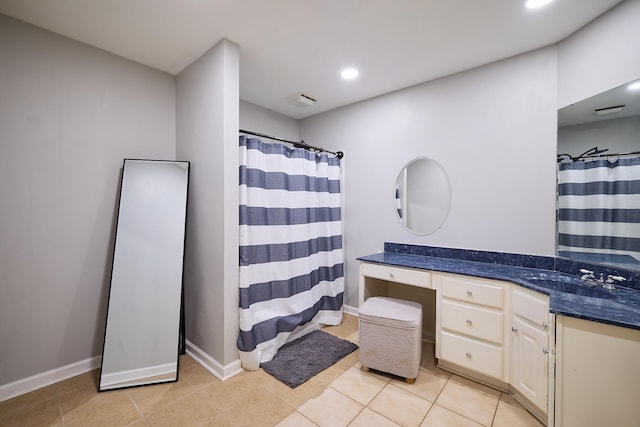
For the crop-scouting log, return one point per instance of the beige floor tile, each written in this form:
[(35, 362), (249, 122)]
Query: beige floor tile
[(358, 385), (295, 397), (113, 408), (428, 362), (468, 402), (400, 406), (185, 362), (89, 379), (369, 418), (193, 410), (36, 396), (43, 413), (218, 421), (330, 374), (152, 397), (441, 417), (296, 419), (331, 409), (427, 385), (260, 409), (77, 398), (224, 395), (348, 326), (512, 416), (475, 385)]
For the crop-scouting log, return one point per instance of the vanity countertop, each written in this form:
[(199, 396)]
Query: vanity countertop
[(620, 307)]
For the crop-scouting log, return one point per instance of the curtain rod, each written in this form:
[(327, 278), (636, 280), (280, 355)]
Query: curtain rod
[(594, 152), (298, 144)]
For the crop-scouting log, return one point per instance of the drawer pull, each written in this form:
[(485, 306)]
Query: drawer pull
[(469, 293), (469, 322), (391, 276), (468, 355), (514, 329), (545, 350), (545, 325)]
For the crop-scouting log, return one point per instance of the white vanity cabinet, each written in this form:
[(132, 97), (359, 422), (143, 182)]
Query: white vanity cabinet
[(597, 374), (531, 334), (471, 325)]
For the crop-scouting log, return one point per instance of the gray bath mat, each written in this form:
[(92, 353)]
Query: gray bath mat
[(301, 359)]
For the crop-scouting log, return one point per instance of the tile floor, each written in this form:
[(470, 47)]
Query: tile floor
[(339, 396)]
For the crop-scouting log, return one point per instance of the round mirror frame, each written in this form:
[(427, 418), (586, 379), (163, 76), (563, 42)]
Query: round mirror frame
[(422, 209)]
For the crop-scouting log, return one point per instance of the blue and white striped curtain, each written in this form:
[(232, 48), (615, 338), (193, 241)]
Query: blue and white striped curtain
[(599, 207), (291, 256)]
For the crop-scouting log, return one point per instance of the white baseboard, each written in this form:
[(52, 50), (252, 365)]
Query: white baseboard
[(350, 310), (220, 371), (25, 385)]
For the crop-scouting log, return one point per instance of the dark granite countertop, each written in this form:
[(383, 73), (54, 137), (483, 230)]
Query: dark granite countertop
[(568, 295)]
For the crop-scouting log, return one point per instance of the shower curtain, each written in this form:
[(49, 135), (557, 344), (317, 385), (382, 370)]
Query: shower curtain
[(599, 207), (291, 257)]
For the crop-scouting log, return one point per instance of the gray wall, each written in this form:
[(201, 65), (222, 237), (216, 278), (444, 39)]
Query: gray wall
[(69, 114), (258, 119), (600, 56), (207, 113), (493, 129), (618, 135)]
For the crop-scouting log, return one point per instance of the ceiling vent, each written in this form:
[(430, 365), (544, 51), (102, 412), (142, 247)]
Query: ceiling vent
[(609, 110), (301, 100)]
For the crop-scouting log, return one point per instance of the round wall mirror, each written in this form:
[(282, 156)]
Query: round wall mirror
[(423, 196)]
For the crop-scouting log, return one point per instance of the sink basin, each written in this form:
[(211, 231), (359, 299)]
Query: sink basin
[(573, 285)]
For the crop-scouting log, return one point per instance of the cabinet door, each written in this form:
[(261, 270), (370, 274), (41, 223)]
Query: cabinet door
[(530, 362)]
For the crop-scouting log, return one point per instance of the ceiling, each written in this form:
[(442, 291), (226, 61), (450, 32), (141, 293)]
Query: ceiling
[(584, 111), (300, 46)]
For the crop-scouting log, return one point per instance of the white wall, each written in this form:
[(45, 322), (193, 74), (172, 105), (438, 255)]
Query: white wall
[(601, 56), (493, 129), (207, 124), (69, 115)]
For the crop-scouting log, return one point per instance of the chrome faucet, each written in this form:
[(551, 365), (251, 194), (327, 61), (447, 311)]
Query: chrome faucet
[(588, 277), (611, 280)]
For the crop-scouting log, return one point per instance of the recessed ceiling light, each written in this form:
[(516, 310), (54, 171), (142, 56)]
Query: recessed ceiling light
[(534, 4), (634, 86), (349, 73)]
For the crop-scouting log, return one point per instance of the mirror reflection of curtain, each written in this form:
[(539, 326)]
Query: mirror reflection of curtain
[(599, 207), (291, 256)]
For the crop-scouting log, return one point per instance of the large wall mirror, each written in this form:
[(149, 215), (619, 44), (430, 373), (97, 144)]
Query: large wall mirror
[(142, 332), (422, 196), (599, 179)]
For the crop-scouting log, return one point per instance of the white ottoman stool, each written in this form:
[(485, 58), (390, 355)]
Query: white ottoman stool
[(390, 336)]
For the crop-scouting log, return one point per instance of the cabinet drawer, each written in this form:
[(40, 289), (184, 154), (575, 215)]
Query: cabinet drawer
[(409, 276), (476, 321), (473, 291), (531, 305), (481, 357)]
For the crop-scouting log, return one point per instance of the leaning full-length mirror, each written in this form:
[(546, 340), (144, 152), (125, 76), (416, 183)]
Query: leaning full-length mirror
[(422, 196), (143, 318)]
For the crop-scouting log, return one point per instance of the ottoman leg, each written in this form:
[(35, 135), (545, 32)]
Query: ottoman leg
[(365, 368), (410, 380)]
